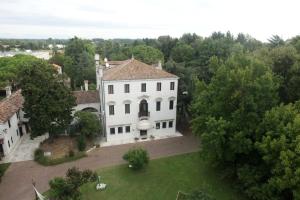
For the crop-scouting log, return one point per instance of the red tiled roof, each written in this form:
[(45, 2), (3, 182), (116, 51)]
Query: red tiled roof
[(84, 97), (133, 70), (10, 105)]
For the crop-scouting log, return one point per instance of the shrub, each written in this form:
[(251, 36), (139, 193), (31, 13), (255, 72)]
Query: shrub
[(69, 188), (71, 153), (137, 158), (81, 144), (39, 155), (88, 176)]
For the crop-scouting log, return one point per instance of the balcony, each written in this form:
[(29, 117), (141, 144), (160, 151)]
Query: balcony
[(144, 115)]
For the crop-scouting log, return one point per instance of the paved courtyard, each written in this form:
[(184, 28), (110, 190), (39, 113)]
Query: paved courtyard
[(25, 150), (16, 183)]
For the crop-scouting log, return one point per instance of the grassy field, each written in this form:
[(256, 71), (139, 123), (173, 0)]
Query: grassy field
[(161, 179), (3, 168)]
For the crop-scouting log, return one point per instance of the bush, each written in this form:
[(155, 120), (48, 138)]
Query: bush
[(39, 155), (81, 144), (69, 188), (137, 158), (71, 153), (89, 176)]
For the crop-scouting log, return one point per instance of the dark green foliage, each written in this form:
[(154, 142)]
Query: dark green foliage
[(71, 153), (147, 54), (226, 113), (81, 143), (79, 61), (88, 124), (39, 155), (61, 189), (68, 188), (48, 103), (137, 158)]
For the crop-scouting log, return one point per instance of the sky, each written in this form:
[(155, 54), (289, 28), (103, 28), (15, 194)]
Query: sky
[(147, 18)]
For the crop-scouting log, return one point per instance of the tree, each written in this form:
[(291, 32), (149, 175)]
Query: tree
[(88, 123), (11, 66), (48, 103), (282, 60), (137, 158), (57, 58), (227, 110), (279, 149), (147, 54), (61, 189), (182, 52), (68, 188), (79, 61), (276, 41)]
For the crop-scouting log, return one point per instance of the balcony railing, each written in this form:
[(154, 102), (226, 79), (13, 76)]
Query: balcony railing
[(144, 114)]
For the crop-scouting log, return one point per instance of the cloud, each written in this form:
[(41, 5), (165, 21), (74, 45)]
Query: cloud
[(146, 18)]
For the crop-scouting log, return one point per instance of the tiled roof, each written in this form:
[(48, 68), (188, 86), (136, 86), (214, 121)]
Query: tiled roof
[(133, 70), (10, 105), (84, 97)]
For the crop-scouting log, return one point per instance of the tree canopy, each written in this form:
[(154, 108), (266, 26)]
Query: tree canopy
[(48, 103)]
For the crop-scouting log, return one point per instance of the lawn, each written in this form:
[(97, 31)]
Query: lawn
[(161, 179), (3, 168)]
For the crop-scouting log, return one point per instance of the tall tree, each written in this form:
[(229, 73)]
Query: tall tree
[(48, 103), (227, 110), (79, 61), (279, 149)]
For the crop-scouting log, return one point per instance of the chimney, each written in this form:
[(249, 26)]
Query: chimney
[(86, 85), (159, 66), (8, 90), (97, 59)]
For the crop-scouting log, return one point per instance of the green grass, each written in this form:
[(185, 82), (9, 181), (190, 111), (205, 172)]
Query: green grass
[(161, 179), (3, 168)]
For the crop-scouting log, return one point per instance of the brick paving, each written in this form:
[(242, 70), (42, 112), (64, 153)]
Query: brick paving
[(16, 183)]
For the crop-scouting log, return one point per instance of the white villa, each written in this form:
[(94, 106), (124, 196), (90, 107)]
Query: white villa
[(135, 101), (138, 101)]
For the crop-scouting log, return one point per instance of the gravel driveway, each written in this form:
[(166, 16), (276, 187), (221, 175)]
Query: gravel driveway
[(16, 183)]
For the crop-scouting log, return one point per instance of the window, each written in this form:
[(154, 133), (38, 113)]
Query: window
[(171, 106), (172, 85), (164, 124), (110, 89), (11, 140), (126, 88), (127, 129), (9, 125), (158, 86), (120, 129), (111, 109), (127, 108), (8, 143), (170, 124), (112, 131), (158, 106), (143, 87), (157, 125)]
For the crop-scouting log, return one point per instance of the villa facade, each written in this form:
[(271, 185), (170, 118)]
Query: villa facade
[(138, 101)]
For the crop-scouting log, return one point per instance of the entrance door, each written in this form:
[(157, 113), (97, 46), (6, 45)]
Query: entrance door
[(20, 131), (143, 133), (1, 151)]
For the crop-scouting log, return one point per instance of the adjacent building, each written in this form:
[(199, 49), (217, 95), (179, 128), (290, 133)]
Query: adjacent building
[(13, 125)]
